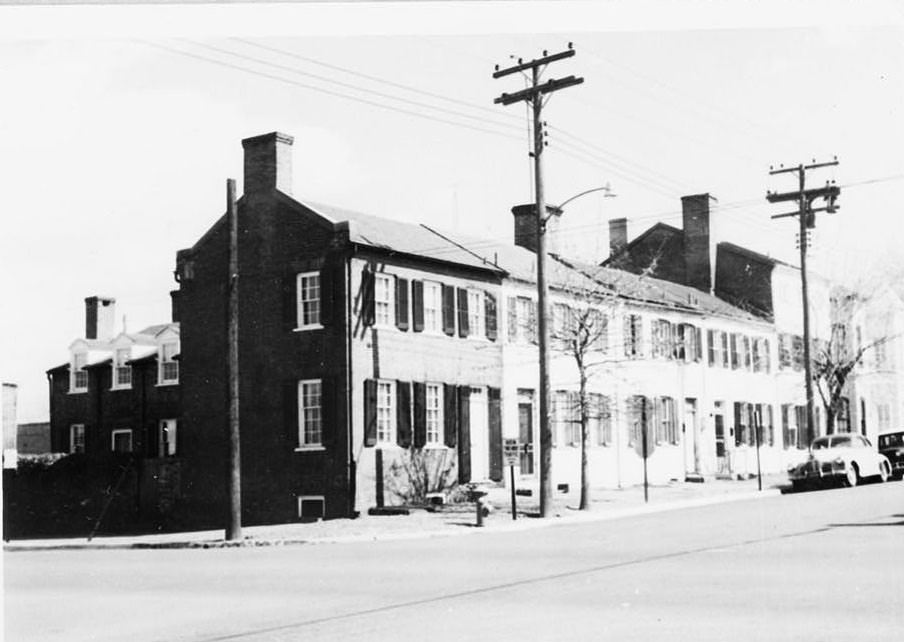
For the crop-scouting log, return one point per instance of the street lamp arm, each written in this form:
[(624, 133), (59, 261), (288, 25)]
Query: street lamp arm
[(606, 189)]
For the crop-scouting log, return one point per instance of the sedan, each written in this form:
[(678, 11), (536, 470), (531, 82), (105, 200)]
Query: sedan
[(845, 458), (891, 444)]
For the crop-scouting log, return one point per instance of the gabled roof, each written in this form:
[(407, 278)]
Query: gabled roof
[(153, 331), (756, 256), (669, 230)]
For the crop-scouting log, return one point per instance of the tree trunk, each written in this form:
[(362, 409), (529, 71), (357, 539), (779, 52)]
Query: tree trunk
[(585, 445), (830, 420)]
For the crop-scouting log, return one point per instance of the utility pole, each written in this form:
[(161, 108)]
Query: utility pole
[(234, 472), (806, 215), (534, 95)]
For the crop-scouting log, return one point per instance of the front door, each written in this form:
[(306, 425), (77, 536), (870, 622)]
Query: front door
[(480, 432), (691, 449), (723, 463), (526, 436)]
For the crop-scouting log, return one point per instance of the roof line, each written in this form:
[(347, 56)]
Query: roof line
[(460, 246)]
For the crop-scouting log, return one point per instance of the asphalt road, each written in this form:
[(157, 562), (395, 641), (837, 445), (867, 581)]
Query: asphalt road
[(816, 566)]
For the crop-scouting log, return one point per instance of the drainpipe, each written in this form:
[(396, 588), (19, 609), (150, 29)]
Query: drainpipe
[(349, 421)]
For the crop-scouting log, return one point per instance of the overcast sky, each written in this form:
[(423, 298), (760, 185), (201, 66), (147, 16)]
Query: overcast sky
[(119, 129)]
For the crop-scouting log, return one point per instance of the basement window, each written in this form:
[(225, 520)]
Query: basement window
[(311, 507)]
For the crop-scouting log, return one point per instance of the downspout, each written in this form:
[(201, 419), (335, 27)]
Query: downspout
[(350, 432), (50, 411)]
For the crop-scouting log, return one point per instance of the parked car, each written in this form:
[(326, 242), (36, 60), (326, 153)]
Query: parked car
[(891, 444), (845, 458)]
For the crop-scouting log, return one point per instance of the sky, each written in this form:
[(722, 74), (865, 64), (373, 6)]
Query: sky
[(120, 126)]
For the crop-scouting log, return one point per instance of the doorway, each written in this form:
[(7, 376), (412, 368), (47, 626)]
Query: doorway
[(480, 432), (691, 446), (526, 430), (723, 457)]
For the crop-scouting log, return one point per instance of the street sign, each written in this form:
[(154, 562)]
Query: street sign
[(649, 442), (510, 452)]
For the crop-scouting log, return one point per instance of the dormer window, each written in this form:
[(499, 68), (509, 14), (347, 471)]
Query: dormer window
[(169, 367), (78, 380), (122, 370)]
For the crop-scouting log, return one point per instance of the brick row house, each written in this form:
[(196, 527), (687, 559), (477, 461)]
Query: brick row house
[(362, 339)]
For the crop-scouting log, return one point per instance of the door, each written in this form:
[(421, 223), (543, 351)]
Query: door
[(723, 463), (526, 436), (480, 433), (691, 447)]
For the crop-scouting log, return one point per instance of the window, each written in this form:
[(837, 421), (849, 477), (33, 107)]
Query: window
[(639, 411), (311, 507), (666, 426), (745, 351), (169, 367), (166, 446), (307, 289), (563, 325), (122, 370), (718, 355), (633, 331), (789, 426), (797, 352), (567, 417), (883, 416), (597, 325), (310, 415), (522, 320), (742, 417), (434, 412), (476, 314), (880, 355), (121, 441), (384, 303), (661, 336), (385, 412), (599, 419), (433, 307), (734, 341), (79, 380), (77, 438), (784, 351)]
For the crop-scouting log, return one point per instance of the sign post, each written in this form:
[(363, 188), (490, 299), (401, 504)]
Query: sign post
[(644, 447), (757, 423), (510, 451)]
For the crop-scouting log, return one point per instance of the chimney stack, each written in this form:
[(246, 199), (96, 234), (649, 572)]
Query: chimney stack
[(698, 260), (268, 163), (618, 235), (174, 304), (100, 317), (526, 227)]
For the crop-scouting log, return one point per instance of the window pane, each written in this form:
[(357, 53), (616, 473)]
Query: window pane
[(309, 300), (311, 420)]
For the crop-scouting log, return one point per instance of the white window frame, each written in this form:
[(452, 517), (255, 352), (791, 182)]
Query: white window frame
[(73, 430), (386, 413), (121, 431), (434, 415), (522, 315), (384, 300), (168, 426), (162, 380), (433, 303), (303, 296), (121, 366), (476, 314), (306, 442), (77, 368), (311, 498)]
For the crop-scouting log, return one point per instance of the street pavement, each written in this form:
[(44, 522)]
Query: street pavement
[(806, 566)]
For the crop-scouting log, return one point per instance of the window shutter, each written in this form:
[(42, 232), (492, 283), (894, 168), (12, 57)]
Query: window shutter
[(627, 332), (329, 419), (367, 297), (751, 424), (464, 434), (420, 414), (770, 433), (495, 425), (737, 422), (450, 415), (637, 329), (767, 357), (401, 303), (290, 302), (449, 310), (711, 347), (327, 294), (786, 429), (733, 341), (463, 329), (723, 337), (698, 344), (370, 412), (290, 411), (490, 310), (512, 319), (747, 361), (417, 305), (403, 413)]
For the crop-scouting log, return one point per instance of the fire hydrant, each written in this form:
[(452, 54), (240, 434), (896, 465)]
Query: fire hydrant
[(480, 503)]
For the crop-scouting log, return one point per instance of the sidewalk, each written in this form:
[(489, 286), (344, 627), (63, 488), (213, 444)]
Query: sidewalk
[(458, 520)]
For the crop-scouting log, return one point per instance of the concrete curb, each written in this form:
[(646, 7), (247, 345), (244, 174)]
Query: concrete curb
[(523, 524)]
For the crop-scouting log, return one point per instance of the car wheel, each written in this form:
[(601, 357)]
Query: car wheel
[(798, 485), (851, 477), (884, 472)]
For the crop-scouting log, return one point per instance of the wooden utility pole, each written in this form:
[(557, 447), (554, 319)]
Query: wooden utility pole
[(234, 472), (806, 215), (534, 95)]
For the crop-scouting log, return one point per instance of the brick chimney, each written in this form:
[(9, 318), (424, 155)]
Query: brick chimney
[(618, 235), (100, 317), (526, 227), (174, 304), (268, 163), (698, 253)]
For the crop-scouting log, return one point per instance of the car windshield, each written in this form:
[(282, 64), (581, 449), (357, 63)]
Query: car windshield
[(819, 444), (841, 442), (892, 440)]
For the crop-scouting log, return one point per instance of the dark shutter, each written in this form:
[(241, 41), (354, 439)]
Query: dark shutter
[(464, 434), (786, 428), (770, 423), (420, 414), (725, 353), (767, 357), (733, 342), (370, 412), (450, 415), (711, 346), (329, 418), (289, 302), (495, 423), (490, 316), (698, 344), (738, 408), (448, 310), (463, 328), (290, 411), (403, 414), (417, 305), (401, 303), (327, 291), (367, 297)]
